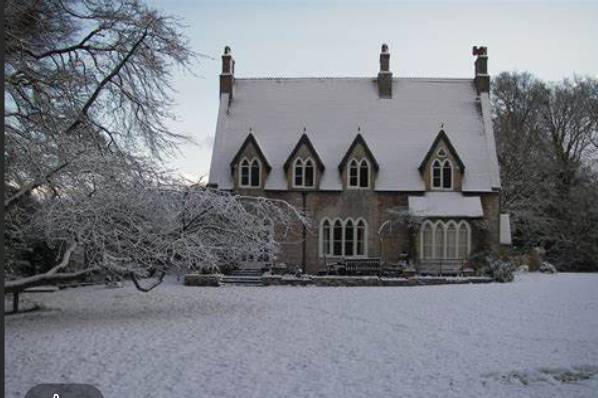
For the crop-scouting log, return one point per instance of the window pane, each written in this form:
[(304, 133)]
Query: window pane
[(298, 175), (309, 175), (451, 242), (255, 174), (326, 238), (353, 174), (447, 173), (436, 175), (427, 237), (245, 174), (360, 239), (337, 239), (349, 239), (439, 241), (363, 175), (463, 242)]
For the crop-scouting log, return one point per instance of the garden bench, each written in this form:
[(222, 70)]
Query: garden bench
[(363, 266), (35, 289)]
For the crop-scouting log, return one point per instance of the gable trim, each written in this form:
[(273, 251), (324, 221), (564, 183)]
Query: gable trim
[(304, 140), (250, 139), (444, 137), (358, 140)]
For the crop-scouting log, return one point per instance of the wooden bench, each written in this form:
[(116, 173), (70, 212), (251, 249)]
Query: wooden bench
[(363, 266), (35, 289)]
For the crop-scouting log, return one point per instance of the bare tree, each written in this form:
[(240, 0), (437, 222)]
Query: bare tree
[(85, 75), (145, 226), (87, 97), (546, 140)]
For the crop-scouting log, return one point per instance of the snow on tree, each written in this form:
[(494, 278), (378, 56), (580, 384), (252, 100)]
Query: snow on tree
[(151, 224), (547, 137), (87, 98)]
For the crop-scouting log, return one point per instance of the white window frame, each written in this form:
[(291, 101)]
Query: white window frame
[(427, 224), (359, 163), (468, 228), (441, 224), (332, 222), (442, 162), (259, 177), (303, 173)]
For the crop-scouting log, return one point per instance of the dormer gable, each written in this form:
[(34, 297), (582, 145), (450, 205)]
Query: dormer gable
[(249, 167), (303, 167), (442, 168), (358, 167)]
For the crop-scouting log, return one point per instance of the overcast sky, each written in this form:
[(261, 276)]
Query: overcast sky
[(551, 39)]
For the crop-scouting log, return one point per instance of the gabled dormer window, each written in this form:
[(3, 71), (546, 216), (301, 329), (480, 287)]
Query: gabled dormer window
[(359, 173), (442, 169), (303, 173), (442, 174), (249, 173)]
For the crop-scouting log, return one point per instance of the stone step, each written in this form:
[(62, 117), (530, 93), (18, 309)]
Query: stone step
[(246, 273), (242, 280)]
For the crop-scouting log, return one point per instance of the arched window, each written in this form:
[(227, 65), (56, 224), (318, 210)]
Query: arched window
[(440, 240), (249, 173), (303, 173), (361, 238), (447, 175), (326, 237), (436, 174), (451, 240), (244, 174), (464, 240), (364, 174), (309, 173), (349, 238), (353, 174), (343, 238), (255, 173), (298, 172), (359, 173), (442, 174), (427, 240), (337, 242), (439, 243)]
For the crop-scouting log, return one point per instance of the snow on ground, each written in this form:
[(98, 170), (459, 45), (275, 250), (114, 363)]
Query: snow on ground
[(536, 337)]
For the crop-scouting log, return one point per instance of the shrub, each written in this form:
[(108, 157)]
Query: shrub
[(502, 271), (548, 268)]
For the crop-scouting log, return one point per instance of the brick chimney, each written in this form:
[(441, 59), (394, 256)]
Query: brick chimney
[(385, 75), (482, 79), (227, 77)]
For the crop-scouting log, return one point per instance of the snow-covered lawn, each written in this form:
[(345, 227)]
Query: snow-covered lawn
[(536, 337)]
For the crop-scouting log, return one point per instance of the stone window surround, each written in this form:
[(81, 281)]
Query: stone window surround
[(433, 226), (303, 165), (356, 223), (442, 163), (359, 164), (249, 164)]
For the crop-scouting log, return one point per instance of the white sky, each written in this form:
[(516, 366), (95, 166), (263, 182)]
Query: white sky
[(550, 39)]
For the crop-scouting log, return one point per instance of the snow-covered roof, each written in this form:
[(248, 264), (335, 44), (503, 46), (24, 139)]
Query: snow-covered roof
[(445, 204), (505, 229), (399, 131)]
